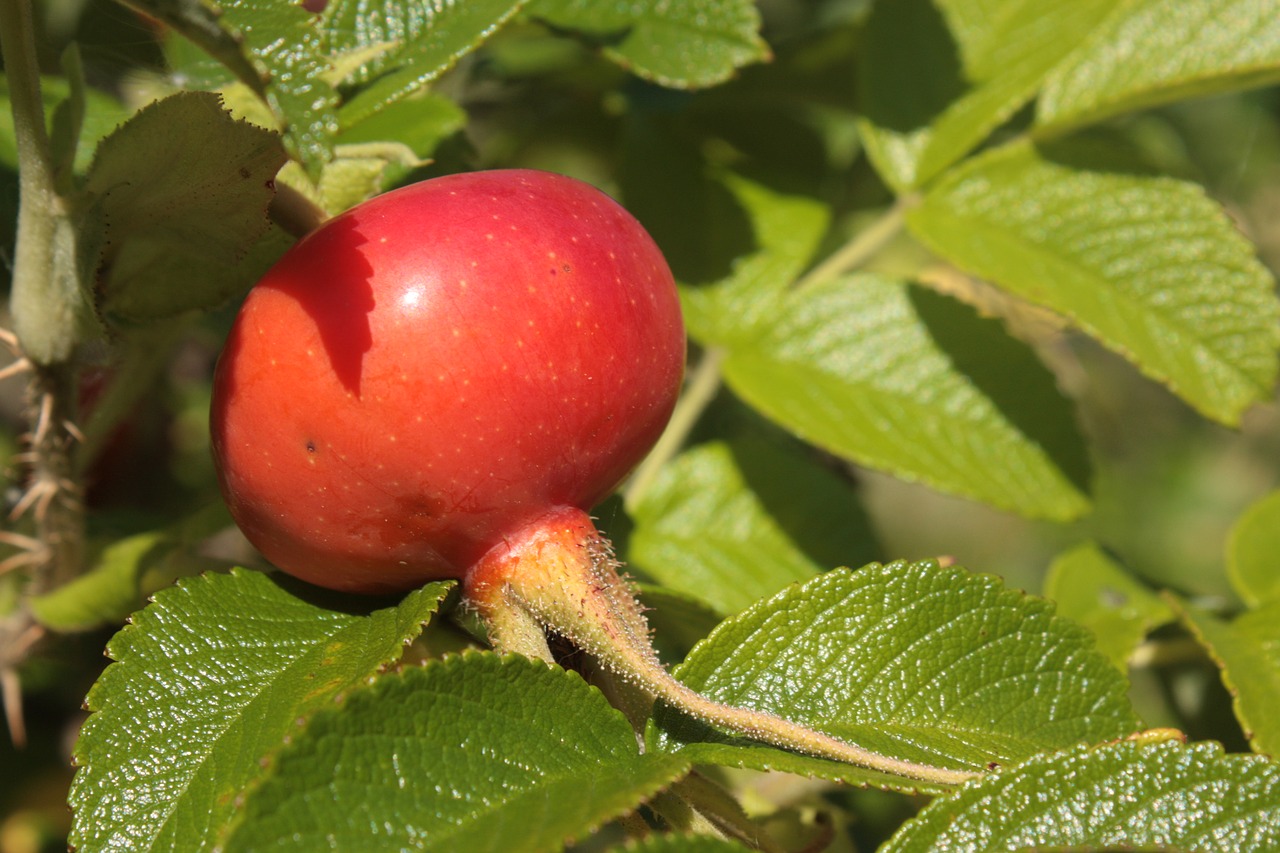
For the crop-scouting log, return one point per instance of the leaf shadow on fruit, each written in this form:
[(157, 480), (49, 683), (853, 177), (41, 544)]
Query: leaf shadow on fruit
[(331, 279)]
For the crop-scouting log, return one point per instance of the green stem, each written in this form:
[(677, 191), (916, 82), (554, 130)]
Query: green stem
[(561, 572), (698, 394), (44, 296), (862, 248)]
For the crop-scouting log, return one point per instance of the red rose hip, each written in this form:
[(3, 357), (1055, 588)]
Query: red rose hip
[(435, 370)]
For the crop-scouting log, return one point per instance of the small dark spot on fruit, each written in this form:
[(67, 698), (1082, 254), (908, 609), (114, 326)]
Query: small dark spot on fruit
[(311, 447), (244, 173), (271, 183)]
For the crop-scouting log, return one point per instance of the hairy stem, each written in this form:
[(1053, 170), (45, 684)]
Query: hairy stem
[(560, 571), (44, 298)]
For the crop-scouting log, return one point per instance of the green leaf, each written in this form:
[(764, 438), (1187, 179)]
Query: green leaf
[(1156, 51), (910, 660), (937, 78), (1147, 265), (180, 194), (1131, 795), (685, 45), (423, 41), (1253, 552), (285, 47), (209, 681), (732, 523), (786, 231), (901, 379), (474, 752), (1247, 650), (1092, 589)]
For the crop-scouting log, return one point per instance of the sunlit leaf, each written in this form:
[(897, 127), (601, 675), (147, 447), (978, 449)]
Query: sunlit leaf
[(901, 379), (1154, 51), (933, 665), (1247, 649), (1148, 265), (209, 681), (1131, 795), (474, 752)]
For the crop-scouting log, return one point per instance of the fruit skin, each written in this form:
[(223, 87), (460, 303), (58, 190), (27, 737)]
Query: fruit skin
[(438, 368)]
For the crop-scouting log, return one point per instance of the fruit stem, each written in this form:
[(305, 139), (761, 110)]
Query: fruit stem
[(560, 572)]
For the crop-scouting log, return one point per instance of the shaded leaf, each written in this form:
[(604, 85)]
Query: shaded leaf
[(1147, 265), (1128, 795), (786, 231), (209, 680), (1247, 650), (732, 523), (904, 380), (686, 45), (937, 78), (179, 199), (1253, 552), (1092, 589), (933, 665), (475, 753), (1152, 52)]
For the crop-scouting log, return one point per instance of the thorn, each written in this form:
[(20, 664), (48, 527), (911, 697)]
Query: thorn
[(17, 561), (11, 695), (22, 365), (10, 340), (17, 540), (42, 420), (73, 431)]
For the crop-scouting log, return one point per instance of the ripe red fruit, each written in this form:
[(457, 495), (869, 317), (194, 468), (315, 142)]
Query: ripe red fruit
[(436, 369)]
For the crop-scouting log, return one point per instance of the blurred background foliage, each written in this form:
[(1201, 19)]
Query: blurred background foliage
[(1168, 484)]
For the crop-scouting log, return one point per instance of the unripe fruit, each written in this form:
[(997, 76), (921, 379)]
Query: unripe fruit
[(436, 369)]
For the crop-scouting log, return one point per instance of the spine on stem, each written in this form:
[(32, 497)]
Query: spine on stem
[(559, 574)]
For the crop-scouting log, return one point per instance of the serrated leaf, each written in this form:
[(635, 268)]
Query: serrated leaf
[(1247, 650), (1253, 552), (475, 753), (937, 78), (732, 523), (786, 230), (284, 45), (685, 45), (905, 380), (1147, 265), (914, 661), (208, 681), (180, 194), (1155, 51), (1130, 795), (425, 40), (1093, 590)]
